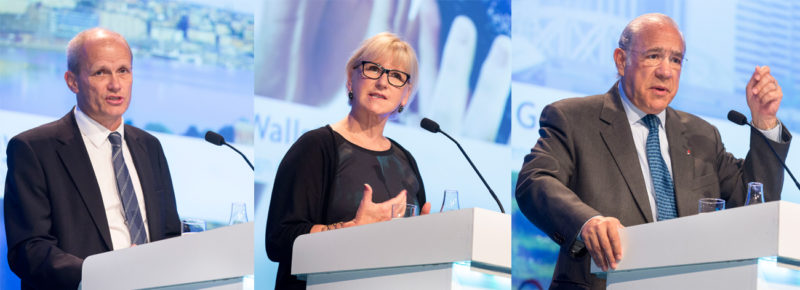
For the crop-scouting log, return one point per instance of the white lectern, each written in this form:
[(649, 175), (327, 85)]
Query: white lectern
[(750, 247), (468, 247), (215, 259)]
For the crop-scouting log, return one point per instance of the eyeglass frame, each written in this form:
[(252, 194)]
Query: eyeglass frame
[(661, 58), (383, 70)]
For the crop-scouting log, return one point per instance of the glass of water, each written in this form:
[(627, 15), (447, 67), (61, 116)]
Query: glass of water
[(755, 193), (403, 210), (710, 205), (238, 213), (191, 226), (450, 201)]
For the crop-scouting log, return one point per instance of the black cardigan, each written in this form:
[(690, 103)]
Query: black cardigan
[(303, 183)]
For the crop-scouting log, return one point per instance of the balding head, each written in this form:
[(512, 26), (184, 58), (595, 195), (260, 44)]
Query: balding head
[(76, 51), (101, 75), (644, 23), (649, 61)]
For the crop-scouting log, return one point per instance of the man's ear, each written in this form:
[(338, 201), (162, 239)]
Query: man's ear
[(619, 60), (72, 81)]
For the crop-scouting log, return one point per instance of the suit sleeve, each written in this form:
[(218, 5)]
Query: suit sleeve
[(759, 165), (297, 201), (33, 253), (168, 205), (542, 192)]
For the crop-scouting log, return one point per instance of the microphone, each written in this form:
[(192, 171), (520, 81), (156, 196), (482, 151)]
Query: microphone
[(433, 127), (217, 139), (214, 138), (430, 125), (737, 118), (740, 119)]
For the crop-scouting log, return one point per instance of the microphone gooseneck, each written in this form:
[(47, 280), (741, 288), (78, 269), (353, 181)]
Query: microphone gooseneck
[(740, 119), (217, 139), (433, 127)]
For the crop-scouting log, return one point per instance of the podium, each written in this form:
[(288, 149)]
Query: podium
[(750, 247), (221, 258), (468, 248)]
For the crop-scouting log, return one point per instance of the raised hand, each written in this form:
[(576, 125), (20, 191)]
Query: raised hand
[(370, 212), (764, 96)]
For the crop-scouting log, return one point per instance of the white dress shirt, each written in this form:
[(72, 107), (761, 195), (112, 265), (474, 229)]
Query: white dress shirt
[(95, 138)]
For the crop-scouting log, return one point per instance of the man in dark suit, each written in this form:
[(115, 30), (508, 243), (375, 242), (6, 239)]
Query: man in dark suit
[(86, 183), (626, 158)]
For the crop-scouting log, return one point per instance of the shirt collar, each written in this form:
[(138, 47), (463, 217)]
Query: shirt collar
[(94, 131), (634, 114)]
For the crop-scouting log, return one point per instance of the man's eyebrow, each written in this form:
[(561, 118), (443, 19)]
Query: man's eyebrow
[(655, 49), (98, 68), (662, 50)]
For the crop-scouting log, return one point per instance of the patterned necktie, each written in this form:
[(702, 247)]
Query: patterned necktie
[(662, 181), (133, 218)]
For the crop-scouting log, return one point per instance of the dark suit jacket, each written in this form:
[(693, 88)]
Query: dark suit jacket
[(54, 213), (585, 164)]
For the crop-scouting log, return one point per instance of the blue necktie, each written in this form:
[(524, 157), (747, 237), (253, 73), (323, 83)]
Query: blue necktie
[(662, 181), (133, 217)]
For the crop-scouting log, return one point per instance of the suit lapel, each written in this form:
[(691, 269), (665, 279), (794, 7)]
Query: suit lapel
[(618, 139), (144, 170), (76, 160), (682, 167)]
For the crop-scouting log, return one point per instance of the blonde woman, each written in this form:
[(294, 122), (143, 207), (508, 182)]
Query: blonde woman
[(348, 173)]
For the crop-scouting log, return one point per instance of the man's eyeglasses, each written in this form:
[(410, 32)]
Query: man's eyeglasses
[(655, 58), (374, 71)]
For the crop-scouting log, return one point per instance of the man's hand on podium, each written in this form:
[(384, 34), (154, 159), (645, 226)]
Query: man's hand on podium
[(601, 237)]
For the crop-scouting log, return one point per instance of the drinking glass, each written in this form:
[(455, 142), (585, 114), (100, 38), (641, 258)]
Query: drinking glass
[(755, 193), (238, 213), (404, 210), (450, 201), (191, 226), (710, 205)]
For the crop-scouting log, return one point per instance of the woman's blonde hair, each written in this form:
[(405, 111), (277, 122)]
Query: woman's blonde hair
[(387, 44)]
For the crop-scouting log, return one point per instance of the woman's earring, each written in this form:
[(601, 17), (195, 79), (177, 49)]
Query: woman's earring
[(350, 95), (400, 109)]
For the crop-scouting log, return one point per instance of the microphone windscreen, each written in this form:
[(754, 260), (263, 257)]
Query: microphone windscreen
[(214, 138), (737, 117), (429, 125)]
